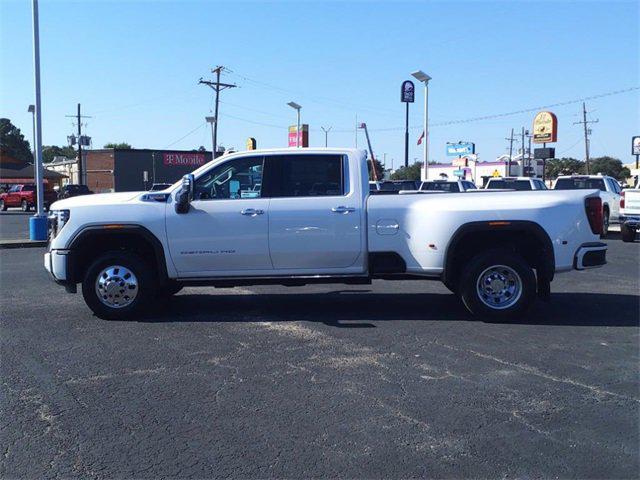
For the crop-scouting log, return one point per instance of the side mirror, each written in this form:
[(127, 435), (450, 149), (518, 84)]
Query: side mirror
[(185, 194)]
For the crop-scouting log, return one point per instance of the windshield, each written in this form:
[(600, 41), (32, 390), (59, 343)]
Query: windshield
[(441, 186), (580, 184), (509, 184)]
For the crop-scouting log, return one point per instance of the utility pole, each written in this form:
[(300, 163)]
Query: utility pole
[(587, 132), (326, 135), (508, 169), (522, 164), (217, 86), (79, 118)]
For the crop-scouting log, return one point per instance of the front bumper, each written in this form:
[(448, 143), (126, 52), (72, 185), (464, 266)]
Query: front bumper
[(58, 264), (630, 221), (590, 255)]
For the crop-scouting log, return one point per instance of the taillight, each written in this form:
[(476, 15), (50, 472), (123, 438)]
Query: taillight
[(593, 208), (622, 200)]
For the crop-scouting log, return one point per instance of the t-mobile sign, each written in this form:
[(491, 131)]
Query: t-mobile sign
[(184, 159)]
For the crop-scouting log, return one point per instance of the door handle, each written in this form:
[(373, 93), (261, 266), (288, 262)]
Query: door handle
[(252, 212), (343, 209)]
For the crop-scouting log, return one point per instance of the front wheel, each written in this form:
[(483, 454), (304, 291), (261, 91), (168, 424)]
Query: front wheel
[(628, 234), (118, 286), (25, 206), (498, 284)]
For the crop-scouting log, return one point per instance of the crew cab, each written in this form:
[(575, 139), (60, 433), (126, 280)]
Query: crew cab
[(515, 183), (609, 191), (451, 186), (630, 213), (301, 216), (24, 197)]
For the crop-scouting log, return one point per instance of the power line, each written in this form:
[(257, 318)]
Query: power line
[(587, 132), (185, 136), (217, 86)]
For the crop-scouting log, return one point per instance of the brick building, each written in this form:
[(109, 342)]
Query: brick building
[(125, 170)]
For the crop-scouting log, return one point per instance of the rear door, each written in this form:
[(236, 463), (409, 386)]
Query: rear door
[(315, 215)]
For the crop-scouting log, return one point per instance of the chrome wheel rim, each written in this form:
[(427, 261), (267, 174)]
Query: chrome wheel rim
[(117, 286), (499, 287)]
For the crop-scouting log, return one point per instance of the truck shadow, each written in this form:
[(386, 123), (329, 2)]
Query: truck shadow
[(363, 308)]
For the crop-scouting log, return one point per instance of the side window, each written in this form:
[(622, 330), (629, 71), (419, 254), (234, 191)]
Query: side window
[(309, 175), (236, 179)]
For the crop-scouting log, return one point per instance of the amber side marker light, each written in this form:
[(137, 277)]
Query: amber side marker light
[(497, 224), (114, 226)]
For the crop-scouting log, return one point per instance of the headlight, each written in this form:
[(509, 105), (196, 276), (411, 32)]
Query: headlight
[(57, 220)]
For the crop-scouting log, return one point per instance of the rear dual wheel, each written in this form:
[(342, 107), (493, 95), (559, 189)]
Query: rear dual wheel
[(628, 234), (497, 284)]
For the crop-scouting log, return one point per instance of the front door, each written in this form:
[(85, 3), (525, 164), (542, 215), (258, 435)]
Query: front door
[(315, 216), (225, 231)]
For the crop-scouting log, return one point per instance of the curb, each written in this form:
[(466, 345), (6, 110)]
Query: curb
[(6, 244)]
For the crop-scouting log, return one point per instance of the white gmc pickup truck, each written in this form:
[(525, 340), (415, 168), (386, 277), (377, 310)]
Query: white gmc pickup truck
[(300, 216)]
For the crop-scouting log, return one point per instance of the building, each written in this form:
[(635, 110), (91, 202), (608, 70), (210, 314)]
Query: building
[(126, 170), (469, 168), (14, 171)]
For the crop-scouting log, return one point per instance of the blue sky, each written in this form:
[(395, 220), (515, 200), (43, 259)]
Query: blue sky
[(134, 66)]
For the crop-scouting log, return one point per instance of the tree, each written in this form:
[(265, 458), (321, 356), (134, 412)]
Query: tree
[(121, 146), (563, 166), (13, 143), (609, 166), (51, 151), (379, 169), (412, 172)]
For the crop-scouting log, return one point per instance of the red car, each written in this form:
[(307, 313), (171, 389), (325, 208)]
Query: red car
[(24, 196)]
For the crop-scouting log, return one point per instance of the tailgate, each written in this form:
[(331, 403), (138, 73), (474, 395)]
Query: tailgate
[(631, 202)]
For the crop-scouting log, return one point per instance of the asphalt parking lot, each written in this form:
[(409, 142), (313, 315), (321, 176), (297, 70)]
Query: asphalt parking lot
[(391, 380)]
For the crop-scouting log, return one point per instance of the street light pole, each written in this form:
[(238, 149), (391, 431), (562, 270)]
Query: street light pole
[(38, 223), (32, 111), (297, 107), (212, 120), (424, 78)]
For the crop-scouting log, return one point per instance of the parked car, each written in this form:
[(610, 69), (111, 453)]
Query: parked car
[(630, 213), (73, 190), (608, 188), (515, 183), (24, 197), (451, 186), (128, 248)]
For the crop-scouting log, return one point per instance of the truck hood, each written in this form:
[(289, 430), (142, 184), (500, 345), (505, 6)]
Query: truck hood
[(97, 199)]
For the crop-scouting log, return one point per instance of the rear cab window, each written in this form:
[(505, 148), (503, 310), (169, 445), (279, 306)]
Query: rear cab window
[(441, 186), (580, 183), (311, 175), (519, 185)]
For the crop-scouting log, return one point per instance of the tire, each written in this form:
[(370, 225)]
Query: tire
[(3, 207), (605, 223), (122, 273), (24, 205), (628, 234), (508, 272)]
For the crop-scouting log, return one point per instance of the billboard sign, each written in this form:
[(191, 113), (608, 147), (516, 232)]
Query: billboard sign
[(303, 136), (545, 128), (408, 92), (173, 159), (635, 145), (460, 148)]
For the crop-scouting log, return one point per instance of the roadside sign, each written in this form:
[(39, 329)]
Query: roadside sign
[(496, 173), (635, 145), (407, 93), (460, 148), (545, 128), (458, 173), (251, 143)]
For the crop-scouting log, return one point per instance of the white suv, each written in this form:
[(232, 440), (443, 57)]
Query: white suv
[(451, 186), (609, 193)]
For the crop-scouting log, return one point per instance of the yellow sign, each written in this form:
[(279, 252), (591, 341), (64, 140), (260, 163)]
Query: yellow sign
[(251, 143), (496, 173), (545, 128)]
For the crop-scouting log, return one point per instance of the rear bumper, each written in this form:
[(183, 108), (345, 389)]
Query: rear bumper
[(590, 255), (630, 221)]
